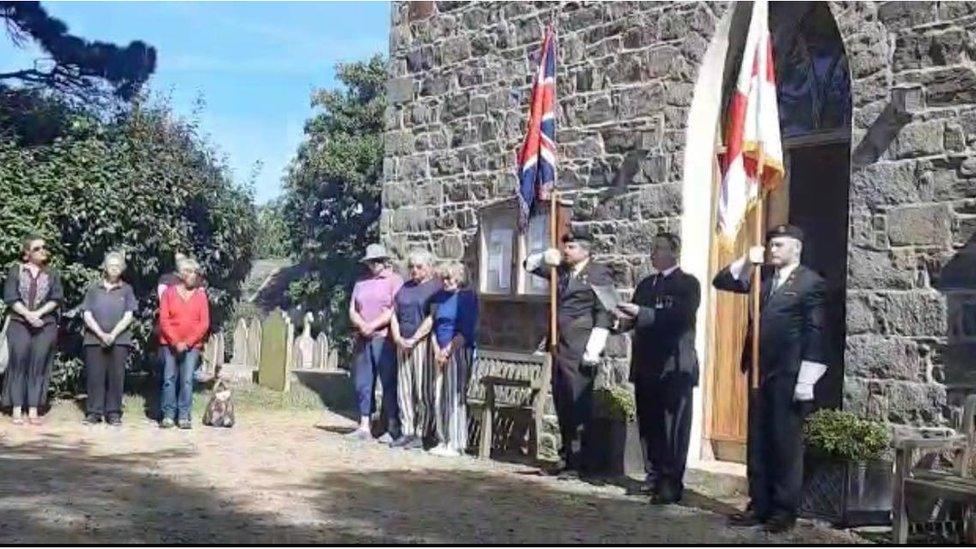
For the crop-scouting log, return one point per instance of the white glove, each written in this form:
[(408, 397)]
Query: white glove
[(810, 373), (757, 255), (552, 257), (595, 345)]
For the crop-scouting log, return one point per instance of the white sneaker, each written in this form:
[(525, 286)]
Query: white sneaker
[(439, 450)]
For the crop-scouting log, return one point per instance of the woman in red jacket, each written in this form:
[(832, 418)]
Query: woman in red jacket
[(184, 320)]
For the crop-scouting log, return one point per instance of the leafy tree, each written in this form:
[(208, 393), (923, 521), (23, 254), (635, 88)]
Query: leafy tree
[(332, 190), (76, 66), (144, 183), (272, 238)]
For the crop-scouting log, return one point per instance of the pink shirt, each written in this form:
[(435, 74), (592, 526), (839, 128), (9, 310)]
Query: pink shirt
[(374, 294)]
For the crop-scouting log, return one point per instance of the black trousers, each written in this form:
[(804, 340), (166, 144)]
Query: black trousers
[(572, 394), (105, 377), (29, 369), (775, 447), (664, 408)]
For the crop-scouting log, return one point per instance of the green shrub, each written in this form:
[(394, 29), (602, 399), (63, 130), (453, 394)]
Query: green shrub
[(141, 181), (843, 435), (616, 403)]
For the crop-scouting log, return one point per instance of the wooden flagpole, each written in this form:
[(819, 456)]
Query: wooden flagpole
[(553, 274), (756, 285)]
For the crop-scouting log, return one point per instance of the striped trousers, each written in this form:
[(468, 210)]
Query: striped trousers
[(415, 389), (451, 390)]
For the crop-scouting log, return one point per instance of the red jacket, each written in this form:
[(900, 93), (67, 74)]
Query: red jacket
[(183, 321)]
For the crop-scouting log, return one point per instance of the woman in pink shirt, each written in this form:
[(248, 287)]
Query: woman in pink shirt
[(370, 310), (184, 320)]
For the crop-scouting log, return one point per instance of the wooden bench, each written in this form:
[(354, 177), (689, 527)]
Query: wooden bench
[(517, 383), (953, 485)]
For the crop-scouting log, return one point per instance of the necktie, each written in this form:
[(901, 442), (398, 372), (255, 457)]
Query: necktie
[(657, 280)]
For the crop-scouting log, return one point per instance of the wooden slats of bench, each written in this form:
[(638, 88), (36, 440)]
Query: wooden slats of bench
[(945, 484)]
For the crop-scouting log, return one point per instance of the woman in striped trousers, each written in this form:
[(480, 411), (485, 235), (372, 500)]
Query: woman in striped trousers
[(415, 369), (454, 317)]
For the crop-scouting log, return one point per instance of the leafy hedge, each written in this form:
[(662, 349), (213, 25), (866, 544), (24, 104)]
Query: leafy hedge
[(842, 435), (141, 181)]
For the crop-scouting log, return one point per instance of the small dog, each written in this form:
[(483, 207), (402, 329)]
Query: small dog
[(220, 409)]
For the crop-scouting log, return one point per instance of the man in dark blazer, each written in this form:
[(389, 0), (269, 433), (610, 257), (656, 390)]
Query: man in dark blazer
[(584, 325), (664, 365), (791, 360)]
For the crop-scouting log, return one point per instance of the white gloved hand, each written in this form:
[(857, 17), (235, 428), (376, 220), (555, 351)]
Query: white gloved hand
[(803, 392), (810, 373), (595, 345), (552, 257), (757, 255)]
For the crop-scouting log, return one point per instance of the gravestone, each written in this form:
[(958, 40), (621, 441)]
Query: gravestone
[(320, 352), (254, 334), (213, 354), (289, 341), (304, 346), (239, 356), (333, 363), (273, 366)]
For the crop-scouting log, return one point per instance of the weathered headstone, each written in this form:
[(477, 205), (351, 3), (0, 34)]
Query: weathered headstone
[(213, 354), (320, 353), (304, 347), (333, 360), (289, 341), (273, 369), (254, 334), (239, 356)]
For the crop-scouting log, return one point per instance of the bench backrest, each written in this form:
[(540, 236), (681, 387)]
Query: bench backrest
[(531, 367), (965, 466)]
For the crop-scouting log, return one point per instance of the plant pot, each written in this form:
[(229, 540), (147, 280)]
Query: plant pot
[(613, 448), (847, 493)]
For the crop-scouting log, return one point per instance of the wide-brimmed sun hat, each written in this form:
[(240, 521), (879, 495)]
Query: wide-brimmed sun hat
[(374, 252)]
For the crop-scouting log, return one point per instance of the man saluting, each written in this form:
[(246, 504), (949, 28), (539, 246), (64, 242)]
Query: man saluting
[(664, 366), (791, 360), (584, 325)]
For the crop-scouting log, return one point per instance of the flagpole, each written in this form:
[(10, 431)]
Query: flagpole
[(756, 285), (553, 275)]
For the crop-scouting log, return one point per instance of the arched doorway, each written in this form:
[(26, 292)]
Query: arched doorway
[(814, 92)]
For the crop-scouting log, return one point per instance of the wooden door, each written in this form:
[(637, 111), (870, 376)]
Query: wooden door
[(728, 387)]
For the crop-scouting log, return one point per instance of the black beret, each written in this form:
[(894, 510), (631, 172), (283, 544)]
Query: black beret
[(576, 236), (791, 231)]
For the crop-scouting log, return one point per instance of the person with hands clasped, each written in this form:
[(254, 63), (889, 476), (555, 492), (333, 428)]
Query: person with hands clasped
[(791, 360), (184, 320), (33, 295), (370, 312), (583, 327), (108, 311), (453, 318), (415, 372)]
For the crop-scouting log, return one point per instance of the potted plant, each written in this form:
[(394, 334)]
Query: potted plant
[(847, 479), (612, 437)]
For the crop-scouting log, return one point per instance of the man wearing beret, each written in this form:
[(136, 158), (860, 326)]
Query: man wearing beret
[(584, 325), (791, 360)]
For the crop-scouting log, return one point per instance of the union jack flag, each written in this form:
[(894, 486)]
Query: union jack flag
[(537, 159)]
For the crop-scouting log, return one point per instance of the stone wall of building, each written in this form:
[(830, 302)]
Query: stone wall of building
[(911, 308), (458, 91)]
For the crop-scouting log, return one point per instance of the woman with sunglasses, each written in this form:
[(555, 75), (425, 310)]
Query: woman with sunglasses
[(33, 295), (415, 375)]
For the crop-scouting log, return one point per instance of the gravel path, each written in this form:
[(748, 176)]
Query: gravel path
[(291, 478)]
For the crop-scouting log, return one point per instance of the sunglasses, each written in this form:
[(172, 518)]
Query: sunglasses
[(414, 266)]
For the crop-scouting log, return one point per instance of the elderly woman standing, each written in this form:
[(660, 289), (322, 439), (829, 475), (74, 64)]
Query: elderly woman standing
[(370, 311), (453, 313), (415, 375), (109, 308), (184, 320), (34, 294)]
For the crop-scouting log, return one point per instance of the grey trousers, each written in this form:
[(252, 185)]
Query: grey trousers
[(29, 371)]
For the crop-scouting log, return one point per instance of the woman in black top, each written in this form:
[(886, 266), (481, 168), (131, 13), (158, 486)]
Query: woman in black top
[(33, 295), (109, 309)]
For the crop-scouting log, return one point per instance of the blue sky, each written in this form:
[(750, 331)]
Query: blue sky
[(254, 64)]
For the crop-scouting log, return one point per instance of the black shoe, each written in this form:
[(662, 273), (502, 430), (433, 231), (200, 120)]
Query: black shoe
[(184, 424), (746, 519), (92, 419), (114, 420), (779, 524)]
